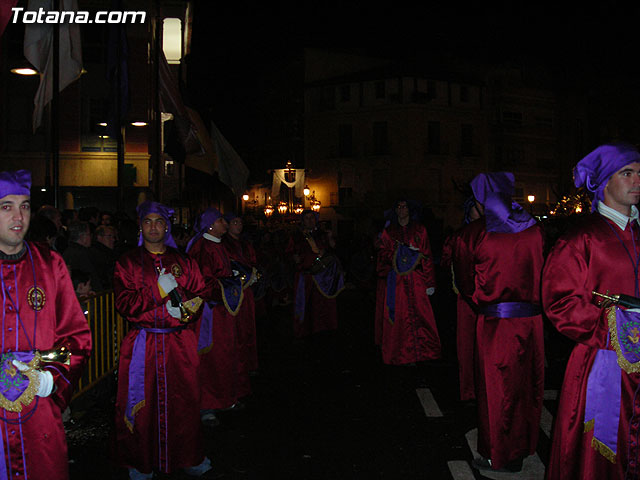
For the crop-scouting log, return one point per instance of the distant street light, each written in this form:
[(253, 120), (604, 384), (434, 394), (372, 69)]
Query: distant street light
[(531, 198), (245, 197), (306, 191)]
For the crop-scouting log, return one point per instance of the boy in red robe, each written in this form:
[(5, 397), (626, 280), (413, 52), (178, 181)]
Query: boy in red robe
[(597, 425), (497, 270)]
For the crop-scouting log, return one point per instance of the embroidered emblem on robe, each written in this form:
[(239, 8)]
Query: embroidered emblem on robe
[(36, 298)]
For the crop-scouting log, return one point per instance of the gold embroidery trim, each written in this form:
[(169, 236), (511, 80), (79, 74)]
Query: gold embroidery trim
[(622, 362), (324, 294), (603, 450), (413, 267), (134, 411), (30, 392), (226, 304)]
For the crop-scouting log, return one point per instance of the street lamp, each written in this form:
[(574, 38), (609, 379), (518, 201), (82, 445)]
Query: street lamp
[(306, 191), (531, 198), (245, 197)]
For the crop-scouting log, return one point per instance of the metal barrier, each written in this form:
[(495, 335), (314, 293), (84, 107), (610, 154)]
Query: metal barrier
[(107, 331)]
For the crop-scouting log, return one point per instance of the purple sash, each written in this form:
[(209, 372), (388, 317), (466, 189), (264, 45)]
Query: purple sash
[(205, 338), (135, 395), (602, 409), (300, 299), (510, 310), (330, 281), (232, 294)]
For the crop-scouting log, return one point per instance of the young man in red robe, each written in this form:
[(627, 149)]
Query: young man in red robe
[(497, 270), (409, 332), (223, 380), (157, 421), (318, 279), (40, 313), (243, 258), (598, 420)]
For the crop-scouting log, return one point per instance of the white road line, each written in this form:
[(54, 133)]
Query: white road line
[(550, 394), (532, 467), (546, 419), (460, 470), (429, 404)]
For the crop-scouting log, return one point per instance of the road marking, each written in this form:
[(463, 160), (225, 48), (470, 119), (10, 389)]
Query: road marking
[(546, 419), (429, 404), (460, 470), (550, 394), (532, 467)]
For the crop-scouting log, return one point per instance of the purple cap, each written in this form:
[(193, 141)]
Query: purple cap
[(594, 171), (15, 183), (494, 182), (145, 208), (204, 221), (502, 215)]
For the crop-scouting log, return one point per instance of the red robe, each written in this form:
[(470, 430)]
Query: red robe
[(412, 336), (242, 251), (493, 268), (50, 318), (465, 325), (321, 312), (589, 257), (166, 430), (222, 379)]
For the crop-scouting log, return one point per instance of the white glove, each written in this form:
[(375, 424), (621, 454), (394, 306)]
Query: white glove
[(45, 379), (254, 277), (235, 273), (431, 291), (173, 311), (415, 249), (166, 282)]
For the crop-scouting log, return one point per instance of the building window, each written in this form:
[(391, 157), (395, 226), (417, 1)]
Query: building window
[(431, 89), (94, 134), (433, 134), (345, 194), (380, 90), (464, 93), (345, 141), (327, 98), (380, 138), (172, 40), (545, 122), (466, 140), (345, 93), (513, 118)]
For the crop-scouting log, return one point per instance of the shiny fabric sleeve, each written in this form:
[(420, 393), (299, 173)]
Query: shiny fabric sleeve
[(566, 298), (212, 266), (71, 329), (385, 253), (428, 270), (464, 264), (133, 298)]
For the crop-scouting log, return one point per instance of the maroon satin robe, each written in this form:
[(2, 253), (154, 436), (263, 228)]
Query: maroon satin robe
[(321, 312), (493, 268), (412, 336), (590, 257), (166, 434), (242, 251), (466, 320), (222, 379), (50, 318)]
